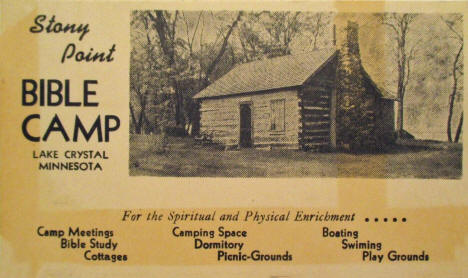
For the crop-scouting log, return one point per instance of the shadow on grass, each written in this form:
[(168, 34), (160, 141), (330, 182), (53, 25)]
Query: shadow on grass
[(410, 146), (184, 158), (405, 146)]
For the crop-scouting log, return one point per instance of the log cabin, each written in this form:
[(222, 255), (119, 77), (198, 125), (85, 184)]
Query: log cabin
[(317, 100)]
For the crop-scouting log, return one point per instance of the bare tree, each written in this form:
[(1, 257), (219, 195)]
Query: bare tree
[(400, 24), (316, 23), (176, 54), (165, 23), (250, 39), (208, 58), (454, 23), (459, 129), (137, 87), (282, 28), (191, 37), (212, 65), (141, 66)]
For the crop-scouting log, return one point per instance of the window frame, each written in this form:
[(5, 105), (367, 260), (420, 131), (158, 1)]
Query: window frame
[(282, 128)]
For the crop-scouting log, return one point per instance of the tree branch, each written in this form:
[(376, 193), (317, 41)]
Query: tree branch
[(213, 64), (450, 26)]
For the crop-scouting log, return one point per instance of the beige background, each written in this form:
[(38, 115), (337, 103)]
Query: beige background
[(436, 209)]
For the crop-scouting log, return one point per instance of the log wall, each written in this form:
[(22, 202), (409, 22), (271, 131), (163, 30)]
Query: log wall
[(384, 117), (386, 121), (317, 120), (311, 115), (387, 116), (222, 117)]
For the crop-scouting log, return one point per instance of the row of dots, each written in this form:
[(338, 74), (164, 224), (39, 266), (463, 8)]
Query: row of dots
[(386, 219)]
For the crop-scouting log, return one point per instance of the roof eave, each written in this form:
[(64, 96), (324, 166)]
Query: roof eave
[(249, 93), (390, 98), (376, 87), (323, 65)]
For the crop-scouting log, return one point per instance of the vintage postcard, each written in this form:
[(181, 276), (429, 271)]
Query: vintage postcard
[(232, 139)]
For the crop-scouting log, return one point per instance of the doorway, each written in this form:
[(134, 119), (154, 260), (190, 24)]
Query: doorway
[(245, 140)]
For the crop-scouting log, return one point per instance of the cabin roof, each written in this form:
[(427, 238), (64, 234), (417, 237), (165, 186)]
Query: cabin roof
[(275, 73)]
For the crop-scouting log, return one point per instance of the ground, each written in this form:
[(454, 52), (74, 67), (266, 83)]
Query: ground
[(183, 157)]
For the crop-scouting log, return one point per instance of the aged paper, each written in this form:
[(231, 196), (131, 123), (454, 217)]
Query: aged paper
[(232, 139)]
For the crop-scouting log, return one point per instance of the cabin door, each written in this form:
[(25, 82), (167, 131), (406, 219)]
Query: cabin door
[(245, 139)]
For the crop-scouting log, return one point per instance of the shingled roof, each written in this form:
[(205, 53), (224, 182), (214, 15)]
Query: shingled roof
[(280, 72), (275, 73)]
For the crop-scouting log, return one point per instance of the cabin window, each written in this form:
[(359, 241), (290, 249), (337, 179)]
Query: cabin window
[(277, 115)]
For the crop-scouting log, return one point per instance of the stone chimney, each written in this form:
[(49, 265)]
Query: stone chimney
[(355, 108)]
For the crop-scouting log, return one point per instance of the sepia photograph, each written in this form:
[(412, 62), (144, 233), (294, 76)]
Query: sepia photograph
[(296, 94), (232, 139)]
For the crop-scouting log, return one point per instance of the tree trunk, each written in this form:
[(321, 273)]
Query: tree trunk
[(138, 123), (196, 119), (459, 129), (400, 118), (139, 128), (179, 110), (400, 25), (218, 57), (166, 34), (449, 120), (453, 94), (401, 93), (315, 41), (134, 121)]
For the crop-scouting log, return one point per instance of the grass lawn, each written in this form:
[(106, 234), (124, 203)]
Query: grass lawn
[(409, 159)]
